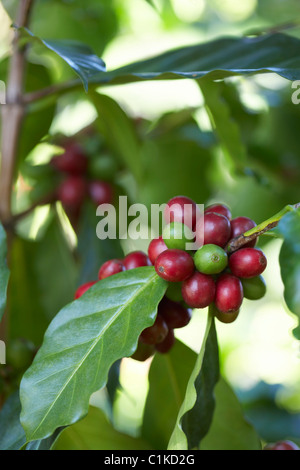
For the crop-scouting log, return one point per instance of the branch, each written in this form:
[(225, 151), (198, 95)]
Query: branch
[(238, 242), (13, 113), (52, 90)]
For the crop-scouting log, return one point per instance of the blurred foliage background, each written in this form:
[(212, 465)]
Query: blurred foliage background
[(165, 144)]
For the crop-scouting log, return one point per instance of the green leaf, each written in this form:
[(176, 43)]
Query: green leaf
[(80, 346), (226, 128), (179, 440), (119, 132), (95, 432), (168, 377), (217, 59), (229, 430), (197, 421), (289, 228), (4, 271), (78, 56)]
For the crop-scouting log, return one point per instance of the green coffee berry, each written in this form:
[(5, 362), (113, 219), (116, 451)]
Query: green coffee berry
[(210, 259)]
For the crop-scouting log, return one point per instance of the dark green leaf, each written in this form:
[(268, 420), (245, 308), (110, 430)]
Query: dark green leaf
[(80, 346), (4, 271), (289, 228), (229, 429), (168, 377), (197, 421), (95, 432), (12, 436)]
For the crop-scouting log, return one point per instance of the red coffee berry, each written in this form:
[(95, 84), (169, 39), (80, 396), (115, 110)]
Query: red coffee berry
[(216, 227), (174, 265), (72, 192), (156, 333), (240, 225), (199, 290), (136, 259), (219, 209), (182, 209), (282, 445), (100, 192), (156, 247), (229, 294), (83, 289), (143, 352), (247, 262), (174, 314), (73, 161), (225, 317), (166, 345), (111, 267)]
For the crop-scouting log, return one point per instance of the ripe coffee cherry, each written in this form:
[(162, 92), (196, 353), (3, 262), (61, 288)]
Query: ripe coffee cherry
[(100, 192), (83, 289), (166, 345), (199, 290), (182, 209), (247, 262), (177, 235), (282, 445), (217, 229), (254, 288), (143, 352), (219, 209), (111, 267), (229, 294), (156, 333), (73, 161), (174, 265), (72, 192), (211, 259), (228, 317), (174, 314), (241, 225), (156, 247), (136, 259)]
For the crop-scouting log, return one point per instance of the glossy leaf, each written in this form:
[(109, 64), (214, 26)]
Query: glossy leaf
[(4, 271), (179, 439), (289, 228), (168, 378), (229, 429), (95, 432), (78, 56), (80, 346), (217, 59)]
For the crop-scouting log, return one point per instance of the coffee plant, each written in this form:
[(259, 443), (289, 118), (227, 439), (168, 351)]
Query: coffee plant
[(115, 334)]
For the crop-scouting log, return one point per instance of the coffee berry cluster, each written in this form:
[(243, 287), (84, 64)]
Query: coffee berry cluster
[(79, 181), (204, 277)]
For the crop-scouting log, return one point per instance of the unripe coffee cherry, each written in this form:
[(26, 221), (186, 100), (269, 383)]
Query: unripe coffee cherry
[(219, 209), (103, 167), (199, 290), (247, 262), (166, 345), (73, 161), (240, 225), (254, 288), (156, 247), (282, 445), (216, 227), (174, 265), (83, 289), (174, 291), (177, 235), (229, 293), (211, 259), (182, 209), (136, 259), (100, 192), (111, 267), (156, 333), (72, 192), (228, 317), (174, 314)]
